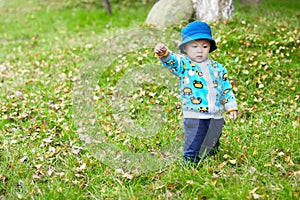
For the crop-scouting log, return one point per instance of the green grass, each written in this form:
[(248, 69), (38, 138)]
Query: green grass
[(47, 47)]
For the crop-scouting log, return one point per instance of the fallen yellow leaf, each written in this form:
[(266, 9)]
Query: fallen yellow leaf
[(214, 182), (287, 158), (221, 165), (233, 162)]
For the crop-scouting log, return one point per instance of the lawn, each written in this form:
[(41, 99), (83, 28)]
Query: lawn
[(87, 112)]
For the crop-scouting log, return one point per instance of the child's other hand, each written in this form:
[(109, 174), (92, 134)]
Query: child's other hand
[(233, 115), (160, 50)]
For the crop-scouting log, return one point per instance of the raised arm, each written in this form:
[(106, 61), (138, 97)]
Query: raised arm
[(168, 59)]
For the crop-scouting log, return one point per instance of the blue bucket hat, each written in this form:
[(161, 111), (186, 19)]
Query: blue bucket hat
[(194, 31)]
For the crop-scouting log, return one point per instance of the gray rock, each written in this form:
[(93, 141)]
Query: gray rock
[(170, 12)]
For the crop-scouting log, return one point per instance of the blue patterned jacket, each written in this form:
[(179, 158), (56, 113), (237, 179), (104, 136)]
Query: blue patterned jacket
[(204, 87)]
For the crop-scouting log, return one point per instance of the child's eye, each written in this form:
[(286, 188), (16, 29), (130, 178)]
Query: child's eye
[(205, 46)]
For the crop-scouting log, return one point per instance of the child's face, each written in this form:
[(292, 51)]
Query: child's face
[(197, 50)]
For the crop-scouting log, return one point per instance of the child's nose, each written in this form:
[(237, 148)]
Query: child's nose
[(200, 49)]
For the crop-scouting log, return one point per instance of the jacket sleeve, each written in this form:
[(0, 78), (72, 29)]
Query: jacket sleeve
[(227, 99), (173, 62)]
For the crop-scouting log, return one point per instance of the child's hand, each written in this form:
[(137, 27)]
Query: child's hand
[(161, 50), (233, 115)]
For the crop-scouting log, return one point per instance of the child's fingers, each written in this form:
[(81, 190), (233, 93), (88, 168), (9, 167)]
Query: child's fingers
[(160, 47), (157, 50), (160, 50), (233, 115)]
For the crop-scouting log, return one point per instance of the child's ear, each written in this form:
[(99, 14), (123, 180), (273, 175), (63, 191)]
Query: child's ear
[(184, 49)]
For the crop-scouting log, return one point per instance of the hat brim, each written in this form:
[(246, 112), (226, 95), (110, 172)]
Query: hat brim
[(194, 37)]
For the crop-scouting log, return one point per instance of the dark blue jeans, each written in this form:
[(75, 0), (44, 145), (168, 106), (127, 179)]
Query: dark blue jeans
[(201, 137)]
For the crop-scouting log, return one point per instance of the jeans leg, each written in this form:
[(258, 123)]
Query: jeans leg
[(211, 142), (195, 132)]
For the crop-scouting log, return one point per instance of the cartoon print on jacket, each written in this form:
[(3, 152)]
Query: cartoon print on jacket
[(225, 77), (171, 62), (187, 91), (225, 101), (191, 72), (200, 74), (215, 83), (203, 109), (198, 84), (186, 80), (196, 100), (192, 64), (225, 92)]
